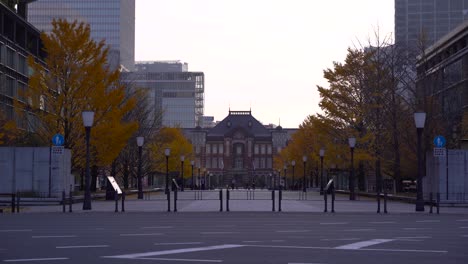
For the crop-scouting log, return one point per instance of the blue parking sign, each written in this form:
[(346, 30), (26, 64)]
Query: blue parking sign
[(439, 142), (58, 140)]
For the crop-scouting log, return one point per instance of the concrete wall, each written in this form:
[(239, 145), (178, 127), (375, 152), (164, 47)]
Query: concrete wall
[(436, 176), (26, 169)]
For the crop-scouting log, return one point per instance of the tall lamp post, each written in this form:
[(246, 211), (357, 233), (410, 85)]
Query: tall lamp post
[(352, 144), (192, 162), (304, 159), (199, 183), (419, 120), (293, 163), (182, 158), (167, 152), (322, 154), (140, 142), (88, 118), (285, 167)]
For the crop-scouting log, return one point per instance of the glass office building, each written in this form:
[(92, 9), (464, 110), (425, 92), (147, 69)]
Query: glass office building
[(111, 20), (429, 18)]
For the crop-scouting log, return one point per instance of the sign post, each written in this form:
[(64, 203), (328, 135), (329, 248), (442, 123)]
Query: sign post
[(441, 151)]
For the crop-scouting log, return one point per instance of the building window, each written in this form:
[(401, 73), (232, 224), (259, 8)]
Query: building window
[(208, 149), (262, 150), (221, 149), (208, 163), (239, 150), (215, 148), (269, 149), (214, 163), (256, 149)]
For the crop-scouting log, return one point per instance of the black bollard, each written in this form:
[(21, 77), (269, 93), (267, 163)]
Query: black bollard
[(385, 203), (64, 202), (70, 200), (438, 202), (18, 195), (123, 202), (227, 200), (168, 193), (175, 200), (378, 202), (280, 196), (326, 202), (333, 201), (13, 200), (221, 200), (116, 198), (431, 203), (273, 200)]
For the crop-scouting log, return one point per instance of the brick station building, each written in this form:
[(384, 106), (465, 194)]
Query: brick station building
[(239, 150)]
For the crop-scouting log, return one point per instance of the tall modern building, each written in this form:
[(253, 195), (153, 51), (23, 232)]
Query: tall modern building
[(427, 19), (111, 20), (172, 90)]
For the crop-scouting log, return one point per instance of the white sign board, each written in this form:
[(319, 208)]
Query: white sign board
[(114, 184), (57, 150), (440, 152)]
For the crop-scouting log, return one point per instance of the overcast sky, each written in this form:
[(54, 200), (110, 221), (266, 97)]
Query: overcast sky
[(267, 55)]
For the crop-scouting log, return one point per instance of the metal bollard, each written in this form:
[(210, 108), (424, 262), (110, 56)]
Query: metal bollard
[(18, 195), (431, 203), (123, 201), (175, 200), (168, 193), (116, 198), (438, 202), (280, 197), (64, 202), (378, 202), (13, 200), (221, 200), (273, 200), (325, 199), (333, 201), (227, 200), (70, 200), (385, 203)]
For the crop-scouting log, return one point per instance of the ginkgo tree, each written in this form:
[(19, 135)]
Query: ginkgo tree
[(75, 77)]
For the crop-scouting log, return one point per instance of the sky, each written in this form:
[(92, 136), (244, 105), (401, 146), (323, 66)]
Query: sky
[(264, 55)]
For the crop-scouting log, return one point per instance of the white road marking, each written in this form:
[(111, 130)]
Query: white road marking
[(188, 260), (181, 243), (157, 227), (16, 230), (411, 240), (339, 239), (363, 244), (384, 222), (359, 230), (363, 249), (63, 236), (417, 228), (292, 231), (336, 223), (415, 237), (217, 233), (428, 221), (251, 241), (146, 234), (35, 259), (173, 251), (86, 246)]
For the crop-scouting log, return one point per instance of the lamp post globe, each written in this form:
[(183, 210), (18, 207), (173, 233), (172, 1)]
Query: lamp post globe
[(419, 120), (88, 118), (140, 142)]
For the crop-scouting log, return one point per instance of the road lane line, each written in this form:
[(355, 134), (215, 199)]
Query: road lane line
[(359, 230), (363, 244), (16, 230), (415, 237), (61, 236), (146, 234), (417, 228), (339, 239), (427, 221), (292, 231), (383, 222), (334, 223), (173, 251), (34, 259), (86, 246), (157, 227), (181, 243), (188, 260), (217, 233), (251, 241), (361, 249)]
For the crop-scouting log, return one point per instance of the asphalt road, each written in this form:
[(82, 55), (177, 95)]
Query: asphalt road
[(235, 237)]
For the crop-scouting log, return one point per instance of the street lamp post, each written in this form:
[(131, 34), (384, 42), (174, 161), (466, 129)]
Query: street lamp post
[(304, 159), (140, 141), (285, 176), (419, 120), (182, 158), (88, 118), (199, 183), (352, 144), (321, 153), (293, 163), (167, 152), (192, 162)]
